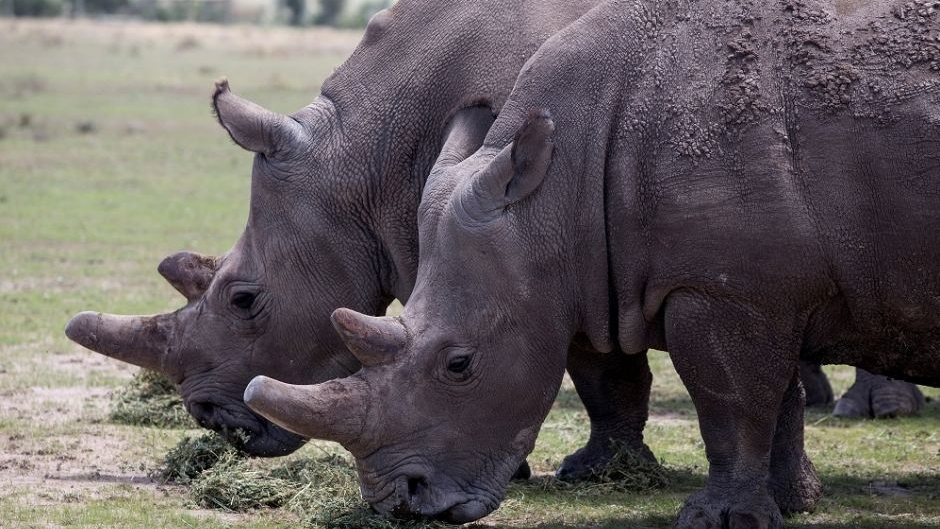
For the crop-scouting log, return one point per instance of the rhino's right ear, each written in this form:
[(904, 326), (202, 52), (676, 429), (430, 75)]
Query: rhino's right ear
[(189, 273), (515, 172), (252, 126)]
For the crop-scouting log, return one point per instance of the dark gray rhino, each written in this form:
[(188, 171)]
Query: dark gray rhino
[(332, 222), (743, 184)]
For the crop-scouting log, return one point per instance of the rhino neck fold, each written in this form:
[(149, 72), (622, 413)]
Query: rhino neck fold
[(393, 106)]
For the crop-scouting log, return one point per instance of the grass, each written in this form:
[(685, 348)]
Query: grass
[(149, 399), (110, 160), (194, 456)]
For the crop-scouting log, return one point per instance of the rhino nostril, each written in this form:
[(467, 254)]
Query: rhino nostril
[(415, 485), (203, 412)]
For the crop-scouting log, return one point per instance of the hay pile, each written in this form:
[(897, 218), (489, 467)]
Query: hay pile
[(322, 491), (628, 472), (149, 399), (189, 459)]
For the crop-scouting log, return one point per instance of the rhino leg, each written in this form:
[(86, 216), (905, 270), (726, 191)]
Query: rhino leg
[(816, 384), (730, 357), (876, 396), (793, 482), (615, 389), (523, 473)]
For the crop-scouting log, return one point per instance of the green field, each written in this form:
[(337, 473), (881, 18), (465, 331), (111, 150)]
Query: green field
[(110, 160)]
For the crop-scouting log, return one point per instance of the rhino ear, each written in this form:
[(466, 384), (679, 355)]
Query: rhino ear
[(516, 171), (189, 273), (464, 135), (252, 126)]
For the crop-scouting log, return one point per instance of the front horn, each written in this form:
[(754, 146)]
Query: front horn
[(139, 340), (333, 411)]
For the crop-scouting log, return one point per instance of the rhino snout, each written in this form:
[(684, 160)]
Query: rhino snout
[(414, 495)]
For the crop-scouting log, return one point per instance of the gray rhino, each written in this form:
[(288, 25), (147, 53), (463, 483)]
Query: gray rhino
[(332, 223), (742, 184)]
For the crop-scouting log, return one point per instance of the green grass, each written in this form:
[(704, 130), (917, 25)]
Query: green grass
[(110, 160)]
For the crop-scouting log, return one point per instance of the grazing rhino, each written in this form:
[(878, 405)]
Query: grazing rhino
[(743, 184), (332, 223)]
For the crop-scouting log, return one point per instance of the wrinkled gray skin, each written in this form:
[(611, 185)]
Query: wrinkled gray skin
[(334, 198), (870, 397), (779, 201)]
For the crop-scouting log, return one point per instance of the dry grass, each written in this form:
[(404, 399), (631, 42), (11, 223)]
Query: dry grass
[(322, 491), (149, 399), (193, 456)]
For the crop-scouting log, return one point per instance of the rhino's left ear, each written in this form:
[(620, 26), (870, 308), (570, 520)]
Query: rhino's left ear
[(464, 134), (516, 171), (252, 126)]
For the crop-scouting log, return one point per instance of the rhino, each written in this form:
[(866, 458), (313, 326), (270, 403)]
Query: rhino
[(332, 223), (742, 184)]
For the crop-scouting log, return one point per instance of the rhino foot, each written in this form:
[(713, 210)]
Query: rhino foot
[(797, 488), (523, 472), (705, 510), (875, 396), (597, 458)]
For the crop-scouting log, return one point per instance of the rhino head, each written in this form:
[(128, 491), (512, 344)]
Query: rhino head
[(263, 307), (452, 394)]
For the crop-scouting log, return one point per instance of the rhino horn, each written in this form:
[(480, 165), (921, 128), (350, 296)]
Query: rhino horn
[(252, 126), (139, 340), (332, 411), (371, 340), (189, 273)]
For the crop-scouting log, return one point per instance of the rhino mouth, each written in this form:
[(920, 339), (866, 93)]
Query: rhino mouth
[(244, 430), (453, 509), (466, 512), (413, 495)]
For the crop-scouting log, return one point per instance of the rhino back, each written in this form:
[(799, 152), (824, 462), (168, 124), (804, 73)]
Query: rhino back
[(763, 151)]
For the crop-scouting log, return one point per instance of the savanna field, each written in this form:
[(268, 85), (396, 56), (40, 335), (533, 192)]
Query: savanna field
[(110, 160)]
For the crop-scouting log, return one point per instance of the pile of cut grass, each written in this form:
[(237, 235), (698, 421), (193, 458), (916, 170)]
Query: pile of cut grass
[(192, 457), (149, 399), (627, 472), (322, 491)]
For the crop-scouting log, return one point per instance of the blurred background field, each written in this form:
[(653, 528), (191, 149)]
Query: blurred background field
[(110, 160)]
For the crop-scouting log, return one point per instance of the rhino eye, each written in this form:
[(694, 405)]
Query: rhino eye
[(458, 364), (243, 300)]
